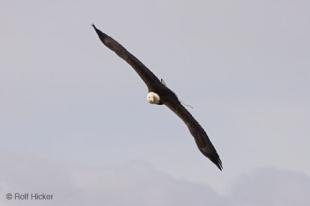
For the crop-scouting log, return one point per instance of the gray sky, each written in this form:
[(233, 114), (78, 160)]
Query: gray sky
[(75, 122)]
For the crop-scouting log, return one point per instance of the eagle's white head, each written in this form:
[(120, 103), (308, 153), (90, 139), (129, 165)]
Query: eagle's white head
[(152, 98)]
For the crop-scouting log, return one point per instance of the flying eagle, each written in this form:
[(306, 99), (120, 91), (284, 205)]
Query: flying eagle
[(160, 94)]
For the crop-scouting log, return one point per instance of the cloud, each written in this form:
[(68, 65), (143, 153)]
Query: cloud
[(142, 184), (270, 186), (139, 183), (135, 183)]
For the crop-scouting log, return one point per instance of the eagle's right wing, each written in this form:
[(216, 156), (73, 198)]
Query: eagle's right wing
[(147, 76)]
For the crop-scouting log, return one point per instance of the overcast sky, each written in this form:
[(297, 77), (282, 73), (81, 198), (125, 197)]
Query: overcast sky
[(74, 120)]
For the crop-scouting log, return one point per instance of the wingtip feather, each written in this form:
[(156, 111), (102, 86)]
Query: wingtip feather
[(214, 157), (96, 29), (101, 35), (219, 164), (217, 161)]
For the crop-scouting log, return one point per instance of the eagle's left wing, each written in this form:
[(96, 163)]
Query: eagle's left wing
[(201, 138)]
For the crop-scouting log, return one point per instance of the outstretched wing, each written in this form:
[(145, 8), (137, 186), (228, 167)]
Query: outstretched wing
[(147, 76), (202, 140)]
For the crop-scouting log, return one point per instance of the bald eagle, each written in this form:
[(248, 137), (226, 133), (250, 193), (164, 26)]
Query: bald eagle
[(159, 93)]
